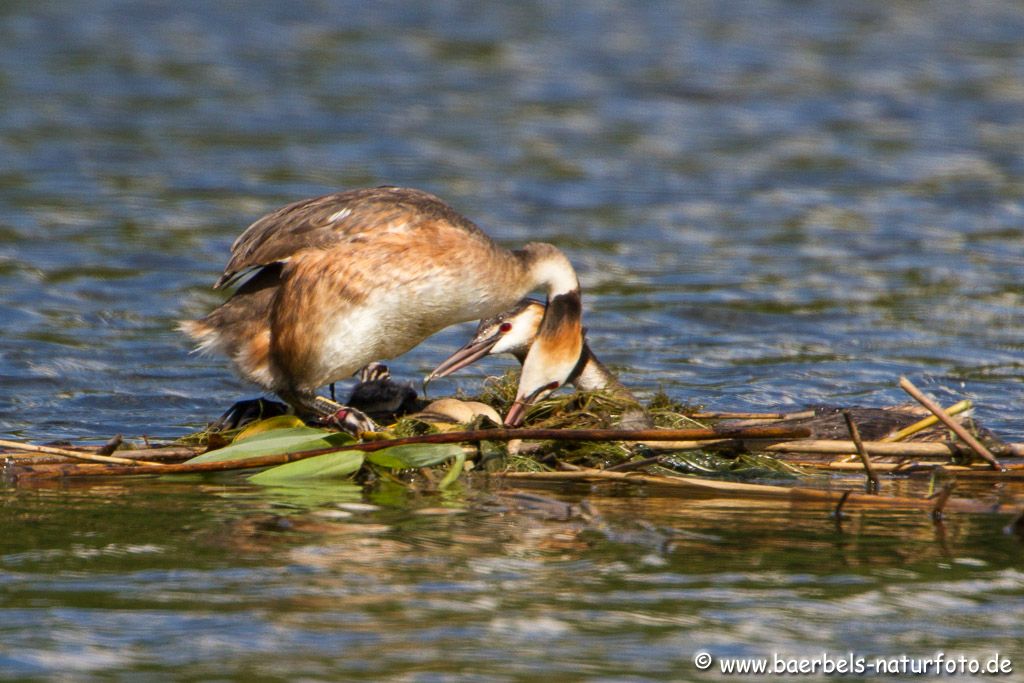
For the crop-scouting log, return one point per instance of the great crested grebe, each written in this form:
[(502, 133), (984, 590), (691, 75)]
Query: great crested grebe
[(514, 332), (346, 279)]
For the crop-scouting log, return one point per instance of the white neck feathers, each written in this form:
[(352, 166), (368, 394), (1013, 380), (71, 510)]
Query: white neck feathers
[(549, 267)]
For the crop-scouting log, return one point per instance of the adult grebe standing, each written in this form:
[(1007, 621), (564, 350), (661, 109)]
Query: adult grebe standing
[(339, 281)]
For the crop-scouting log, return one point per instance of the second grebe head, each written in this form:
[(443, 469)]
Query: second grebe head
[(555, 356), (510, 332)]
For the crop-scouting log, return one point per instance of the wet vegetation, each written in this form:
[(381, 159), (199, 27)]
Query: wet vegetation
[(588, 437)]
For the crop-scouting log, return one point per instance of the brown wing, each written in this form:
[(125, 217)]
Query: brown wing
[(321, 222)]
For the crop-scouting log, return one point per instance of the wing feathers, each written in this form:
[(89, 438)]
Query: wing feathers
[(322, 222)]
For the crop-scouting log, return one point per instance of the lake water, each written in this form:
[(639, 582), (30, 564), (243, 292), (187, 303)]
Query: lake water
[(770, 204)]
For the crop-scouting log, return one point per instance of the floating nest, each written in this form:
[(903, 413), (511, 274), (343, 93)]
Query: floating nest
[(586, 437)]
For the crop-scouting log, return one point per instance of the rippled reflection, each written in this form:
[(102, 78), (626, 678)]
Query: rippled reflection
[(497, 583)]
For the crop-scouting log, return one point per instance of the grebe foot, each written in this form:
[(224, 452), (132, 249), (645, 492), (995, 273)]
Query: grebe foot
[(243, 412), (374, 372), (350, 420), (343, 418)]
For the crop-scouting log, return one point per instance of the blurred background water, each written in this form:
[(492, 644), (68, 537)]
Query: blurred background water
[(770, 204)]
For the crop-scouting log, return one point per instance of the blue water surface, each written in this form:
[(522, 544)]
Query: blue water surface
[(770, 204)]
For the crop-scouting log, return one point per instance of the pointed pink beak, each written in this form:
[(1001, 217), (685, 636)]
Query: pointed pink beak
[(467, 355), (517, 412)]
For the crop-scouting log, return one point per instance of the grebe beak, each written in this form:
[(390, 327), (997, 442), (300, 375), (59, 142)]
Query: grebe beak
[(517, 413), (467, 355)]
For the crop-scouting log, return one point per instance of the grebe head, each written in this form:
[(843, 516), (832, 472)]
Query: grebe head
[(556, 354), (510, 332)]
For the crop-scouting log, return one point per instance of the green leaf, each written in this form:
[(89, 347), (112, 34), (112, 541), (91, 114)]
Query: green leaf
[(422, 455), (267, 425), (455, 471), (415, 455), (290, 440), (329, 466)]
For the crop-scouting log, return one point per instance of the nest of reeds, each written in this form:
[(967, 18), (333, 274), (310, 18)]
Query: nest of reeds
[(585, 410), (581, 438)]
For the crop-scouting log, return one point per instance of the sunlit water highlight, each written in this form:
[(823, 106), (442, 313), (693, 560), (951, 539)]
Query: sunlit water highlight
[(770, 205)]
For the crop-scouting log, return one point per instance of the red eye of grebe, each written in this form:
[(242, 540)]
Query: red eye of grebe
[(505, 327)]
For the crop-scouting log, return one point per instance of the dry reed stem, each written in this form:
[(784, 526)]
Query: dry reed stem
[(927, 422), (886, 466), (78, 455), (913, 449), (750, 416), (957, 428), (712, 486), (873, 483), (920, 425), (983, 472), (73, 470), (160, 455)]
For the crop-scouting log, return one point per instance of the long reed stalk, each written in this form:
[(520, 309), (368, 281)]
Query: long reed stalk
[(475, 436)]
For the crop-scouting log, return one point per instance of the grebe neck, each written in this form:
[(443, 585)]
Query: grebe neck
[(548, 267)]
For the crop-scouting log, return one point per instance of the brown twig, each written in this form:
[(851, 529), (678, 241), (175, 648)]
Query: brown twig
[(111, 445), (78, 455), (744, 490), (634, 464), (749, 416), (944, 417), (873, 484), (912, 449), (71, 470)]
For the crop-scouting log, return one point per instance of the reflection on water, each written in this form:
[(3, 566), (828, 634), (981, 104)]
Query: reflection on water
[(769, 203), (479, 584)]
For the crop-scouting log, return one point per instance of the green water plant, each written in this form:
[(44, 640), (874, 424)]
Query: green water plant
[(274, 436)]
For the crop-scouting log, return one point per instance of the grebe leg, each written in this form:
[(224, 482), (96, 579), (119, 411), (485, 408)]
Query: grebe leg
[(345, 418)]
